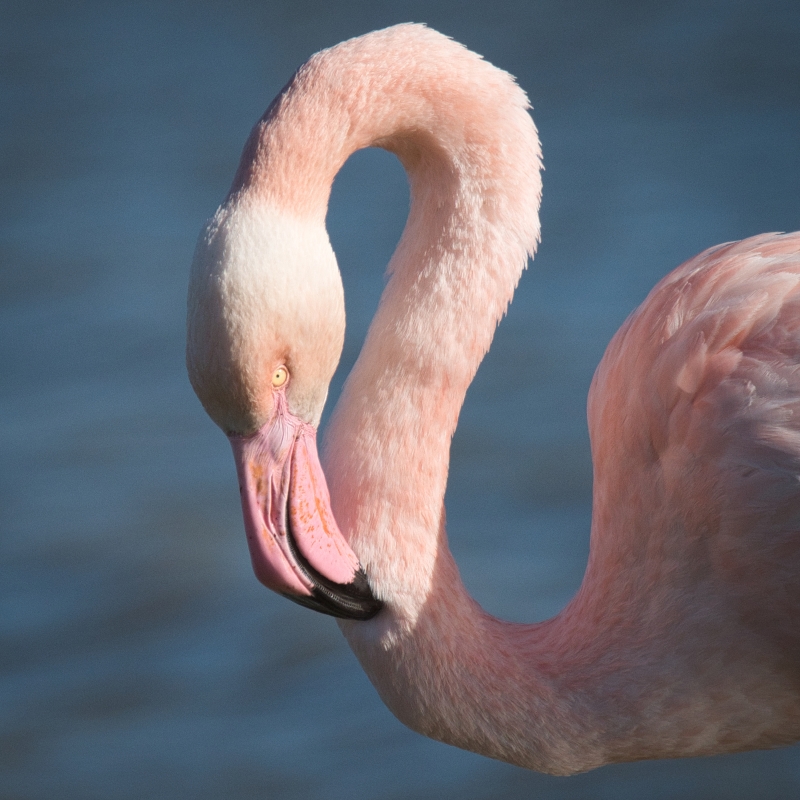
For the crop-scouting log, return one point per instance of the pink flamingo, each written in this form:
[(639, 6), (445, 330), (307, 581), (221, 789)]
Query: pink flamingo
[(684, 638)]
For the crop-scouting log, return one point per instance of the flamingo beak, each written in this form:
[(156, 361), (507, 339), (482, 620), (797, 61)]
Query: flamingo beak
[(295, 544)]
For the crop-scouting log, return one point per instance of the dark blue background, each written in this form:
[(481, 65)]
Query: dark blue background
[(139, 657)]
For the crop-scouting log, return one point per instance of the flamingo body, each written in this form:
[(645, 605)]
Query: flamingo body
[(683, 638)]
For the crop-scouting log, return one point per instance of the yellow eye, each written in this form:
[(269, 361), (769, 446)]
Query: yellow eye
[(279, 377)]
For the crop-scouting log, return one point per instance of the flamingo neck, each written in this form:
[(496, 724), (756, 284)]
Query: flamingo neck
[(461, 129)]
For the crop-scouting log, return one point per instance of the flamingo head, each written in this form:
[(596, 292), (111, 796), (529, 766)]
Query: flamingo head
[(264, 334)]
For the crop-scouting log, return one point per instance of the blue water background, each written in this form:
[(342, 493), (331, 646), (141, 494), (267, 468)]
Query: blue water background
[(139, 657)]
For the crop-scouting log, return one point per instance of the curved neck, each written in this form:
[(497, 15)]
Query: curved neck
[(461, 129)]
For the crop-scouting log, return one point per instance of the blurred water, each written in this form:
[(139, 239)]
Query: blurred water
[(139, 656)]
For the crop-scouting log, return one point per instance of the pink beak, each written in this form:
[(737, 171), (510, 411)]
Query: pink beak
[(295, 544)]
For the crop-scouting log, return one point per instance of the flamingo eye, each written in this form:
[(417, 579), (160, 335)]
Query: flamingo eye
[(279, 377)]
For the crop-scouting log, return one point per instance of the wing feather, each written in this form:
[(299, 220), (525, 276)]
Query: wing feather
[(697, 404)]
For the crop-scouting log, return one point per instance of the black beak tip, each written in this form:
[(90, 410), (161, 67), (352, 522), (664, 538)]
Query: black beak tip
[(352, 600), (346, 601)]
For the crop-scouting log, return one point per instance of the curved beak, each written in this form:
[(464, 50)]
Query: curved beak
[(295, 544)]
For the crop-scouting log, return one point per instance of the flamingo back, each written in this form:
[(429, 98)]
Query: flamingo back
[(694, 414)]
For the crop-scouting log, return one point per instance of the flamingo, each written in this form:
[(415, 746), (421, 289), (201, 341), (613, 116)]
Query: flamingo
[(684, 637)]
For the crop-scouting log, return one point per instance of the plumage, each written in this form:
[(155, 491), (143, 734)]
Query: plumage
[(683, 638)]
